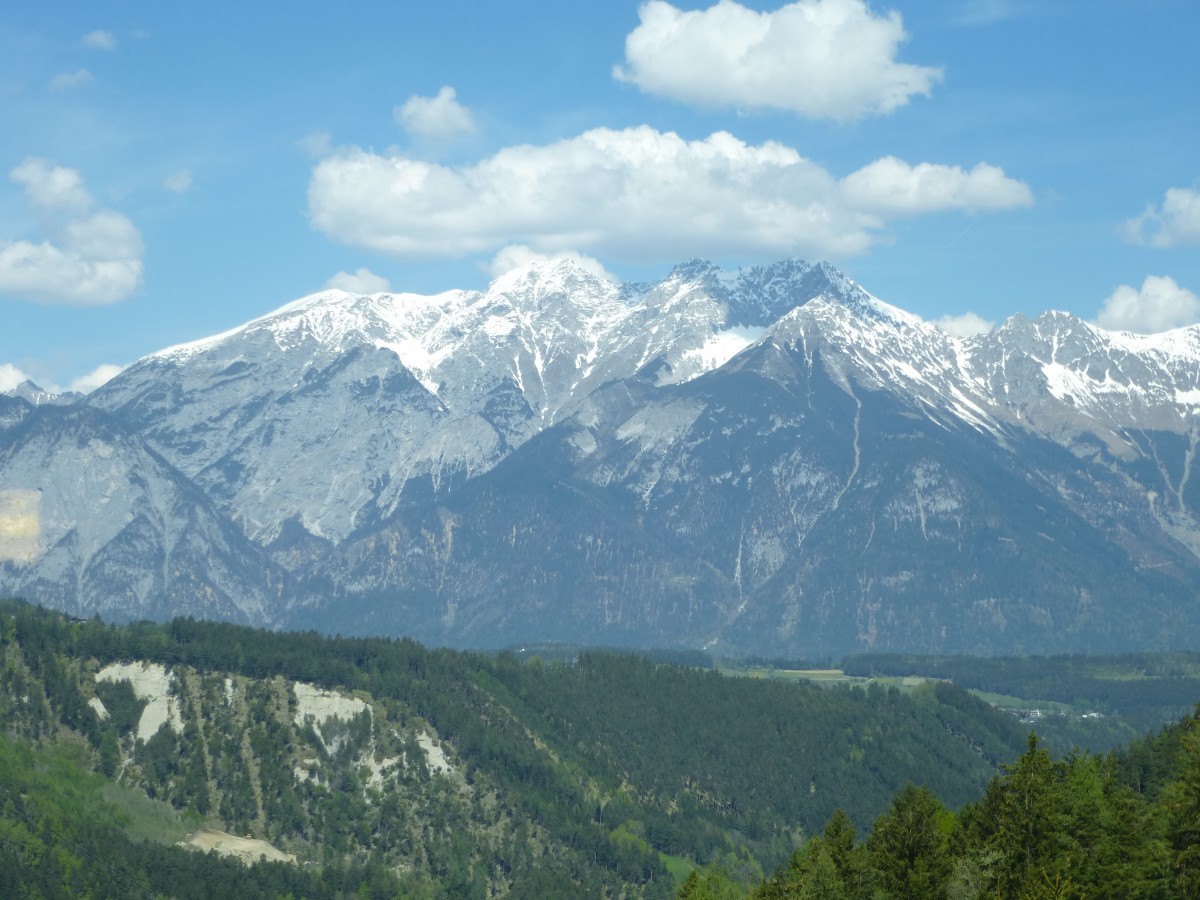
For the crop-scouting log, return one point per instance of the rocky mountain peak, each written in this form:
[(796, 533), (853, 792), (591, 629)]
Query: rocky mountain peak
[(37, 395), (770, 454), (560, 276), (765, 293)]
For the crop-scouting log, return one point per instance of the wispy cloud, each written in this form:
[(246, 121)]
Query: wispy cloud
[(99, 376), (361, 281), (516, 255), (318, 144), (68, 81), (12, 377), (966, 325), (180, 182), (99, 40)]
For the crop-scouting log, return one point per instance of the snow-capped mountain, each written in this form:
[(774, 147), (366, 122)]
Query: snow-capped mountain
[(1060, 367), (324, 410), (37, 395), (771, 460)]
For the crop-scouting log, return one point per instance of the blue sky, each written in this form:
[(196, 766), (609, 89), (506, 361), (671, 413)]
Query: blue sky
[(170, 171)]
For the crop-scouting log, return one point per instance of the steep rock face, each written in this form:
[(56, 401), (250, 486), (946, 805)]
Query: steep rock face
[(323, 411), (289, 424), (13, 411), (1125, 403), (780, 505), (109, 527), (1058, 367), (768, 460)]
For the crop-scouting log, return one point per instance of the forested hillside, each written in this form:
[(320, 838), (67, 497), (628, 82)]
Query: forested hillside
[(1146, 690), (1126, 825), (61, 836), (384, 765)]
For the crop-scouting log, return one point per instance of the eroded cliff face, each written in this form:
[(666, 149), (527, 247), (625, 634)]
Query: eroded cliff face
[(102, 525), (769, 460)]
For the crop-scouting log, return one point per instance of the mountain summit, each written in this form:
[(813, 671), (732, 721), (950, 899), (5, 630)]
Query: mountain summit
[(766, 460)]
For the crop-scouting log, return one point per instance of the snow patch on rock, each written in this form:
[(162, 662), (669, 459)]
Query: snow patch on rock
[(718, 349)]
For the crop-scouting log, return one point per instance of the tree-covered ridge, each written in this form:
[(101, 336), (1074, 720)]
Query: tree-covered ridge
[(1146, 690), (1126, 825), (61, 838), (339, 791), (603, 776)]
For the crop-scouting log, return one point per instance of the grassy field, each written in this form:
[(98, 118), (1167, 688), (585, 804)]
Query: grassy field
[(679, 867), (1004, 701), (149, 820), (824, 677)]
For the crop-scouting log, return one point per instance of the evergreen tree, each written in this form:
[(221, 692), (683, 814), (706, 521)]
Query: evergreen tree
[(909, 847), (847, 857), (1183, 812)]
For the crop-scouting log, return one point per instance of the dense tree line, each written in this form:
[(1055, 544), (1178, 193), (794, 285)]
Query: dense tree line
[(601, 770), (1147, 690), (594, 773), (59, 838), (234, 762), (1126, 825)]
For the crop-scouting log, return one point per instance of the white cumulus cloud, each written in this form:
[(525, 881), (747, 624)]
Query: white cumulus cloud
[(891, 185), (50, 188), (1160, 305), (91, 257), (637, 194), (100, 40), (827, 59), (70, 80), (10, 377), (439, 118), (966, 325), (1174, 224), (361, 281), (101, 375)]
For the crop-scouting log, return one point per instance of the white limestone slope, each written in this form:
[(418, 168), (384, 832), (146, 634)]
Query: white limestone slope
[(151, 682), (99, 523), (321, 705), (317, 706)]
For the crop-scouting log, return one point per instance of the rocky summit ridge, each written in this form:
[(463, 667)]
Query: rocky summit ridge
[(769, 460)]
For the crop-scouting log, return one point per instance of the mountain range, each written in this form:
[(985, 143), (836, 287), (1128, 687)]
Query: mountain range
[(767, 461)]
